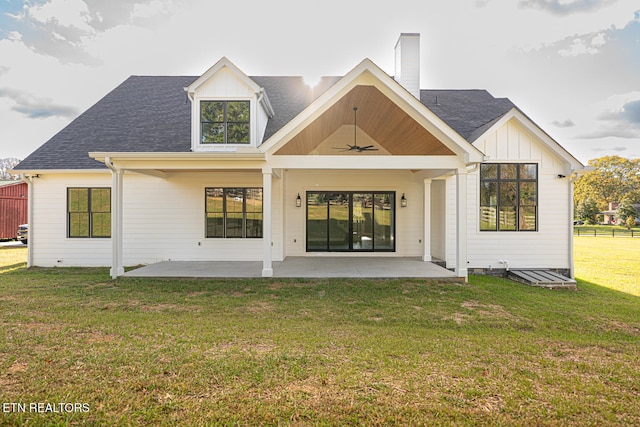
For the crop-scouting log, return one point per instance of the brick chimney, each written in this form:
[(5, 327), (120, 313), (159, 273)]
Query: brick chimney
[(407, 71)]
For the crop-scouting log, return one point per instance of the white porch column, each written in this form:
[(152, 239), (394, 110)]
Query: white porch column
[(426, 256), (117, 269), (461, 223), (267, 267)]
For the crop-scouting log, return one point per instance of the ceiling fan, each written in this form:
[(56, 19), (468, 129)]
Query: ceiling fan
[(355, 146)]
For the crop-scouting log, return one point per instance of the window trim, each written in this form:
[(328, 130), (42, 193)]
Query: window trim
[(89, 213), (224, 213), (200, 122), (518, 180)]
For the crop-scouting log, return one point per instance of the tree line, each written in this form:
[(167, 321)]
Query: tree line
[(5, 166), (614, 179)]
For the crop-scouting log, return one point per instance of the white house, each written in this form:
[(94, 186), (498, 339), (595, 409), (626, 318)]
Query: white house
[(225, 166)]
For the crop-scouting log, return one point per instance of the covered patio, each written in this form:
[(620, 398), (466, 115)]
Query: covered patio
[(301, 267)]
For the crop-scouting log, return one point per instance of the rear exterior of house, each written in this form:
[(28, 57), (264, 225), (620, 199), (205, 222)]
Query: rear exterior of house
[(13, 208), (227, 167)]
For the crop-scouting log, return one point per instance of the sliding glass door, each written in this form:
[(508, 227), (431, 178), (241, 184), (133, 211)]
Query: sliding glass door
[(350, 221)]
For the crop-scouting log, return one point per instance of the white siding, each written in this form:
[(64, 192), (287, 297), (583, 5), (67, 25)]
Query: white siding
[(409, 228), (548, 247), (48, 233), (451, 245), (164, 219), (438, 219)]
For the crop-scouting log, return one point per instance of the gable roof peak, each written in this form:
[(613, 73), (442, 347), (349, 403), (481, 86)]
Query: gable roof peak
[(223, 62)]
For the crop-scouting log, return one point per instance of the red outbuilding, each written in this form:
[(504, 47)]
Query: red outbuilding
[(13, 207)]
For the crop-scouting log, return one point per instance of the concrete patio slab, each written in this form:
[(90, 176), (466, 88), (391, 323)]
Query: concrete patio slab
[(300, 267)]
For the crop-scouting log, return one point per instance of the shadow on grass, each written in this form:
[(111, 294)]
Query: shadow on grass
[(12, 267), (586, 285)]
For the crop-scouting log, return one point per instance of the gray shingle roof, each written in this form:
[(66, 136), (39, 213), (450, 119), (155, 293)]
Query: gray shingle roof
[(141, 114), (153, 114), (468, 112)]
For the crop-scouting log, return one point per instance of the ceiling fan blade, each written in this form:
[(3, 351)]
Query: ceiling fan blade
[(366, 147)]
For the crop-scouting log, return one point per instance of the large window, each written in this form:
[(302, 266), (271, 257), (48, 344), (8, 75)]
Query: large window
[(224, 122), (233, 212), (89, 212), (508, 197), (350, 221)]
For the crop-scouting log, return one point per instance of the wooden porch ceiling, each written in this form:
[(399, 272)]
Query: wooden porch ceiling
[(380, 118)]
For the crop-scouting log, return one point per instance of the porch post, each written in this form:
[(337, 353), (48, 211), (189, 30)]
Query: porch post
[(117, 269), (267, 267), (461, 223), (426, 256)]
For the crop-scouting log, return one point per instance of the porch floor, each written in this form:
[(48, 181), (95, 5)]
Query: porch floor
[(301, 267)]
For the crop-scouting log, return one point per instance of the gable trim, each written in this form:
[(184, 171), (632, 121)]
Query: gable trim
[(538, 132), (222, 63), (367, 73)]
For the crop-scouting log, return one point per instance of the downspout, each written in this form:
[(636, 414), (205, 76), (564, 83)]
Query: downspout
[(29, 181), (474, 167), (107, 162), (572, 178), (263, 100)]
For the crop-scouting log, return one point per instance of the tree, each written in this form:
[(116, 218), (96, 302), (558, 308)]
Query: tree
[(624, 211), (5, 165), (587, 211), (612, 179), (631, 221)]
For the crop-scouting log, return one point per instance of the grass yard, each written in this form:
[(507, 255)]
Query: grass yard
[(610, 262), (319, 352)]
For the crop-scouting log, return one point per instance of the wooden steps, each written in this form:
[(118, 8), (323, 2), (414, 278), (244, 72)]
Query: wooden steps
[(543, 278)]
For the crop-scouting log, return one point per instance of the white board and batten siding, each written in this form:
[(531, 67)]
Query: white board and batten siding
[(225, 85), (164, 219), (549, 245)]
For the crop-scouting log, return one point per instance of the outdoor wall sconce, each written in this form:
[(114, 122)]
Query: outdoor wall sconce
[(403, 201), (298, 201)]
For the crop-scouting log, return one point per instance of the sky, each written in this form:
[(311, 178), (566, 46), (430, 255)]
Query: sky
[(573, 66)]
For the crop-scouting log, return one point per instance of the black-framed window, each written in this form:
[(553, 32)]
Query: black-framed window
[(224, 122), (89, 212), (233, 212), (509, 197), (350, 221)]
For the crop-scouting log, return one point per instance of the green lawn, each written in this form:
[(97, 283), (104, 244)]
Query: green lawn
[(610, 262), (320, 352)]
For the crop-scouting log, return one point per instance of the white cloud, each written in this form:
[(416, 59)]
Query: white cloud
[(566, 7), (35, 107), (589, 44), (618, 116), (65, 13), (568, 123)]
